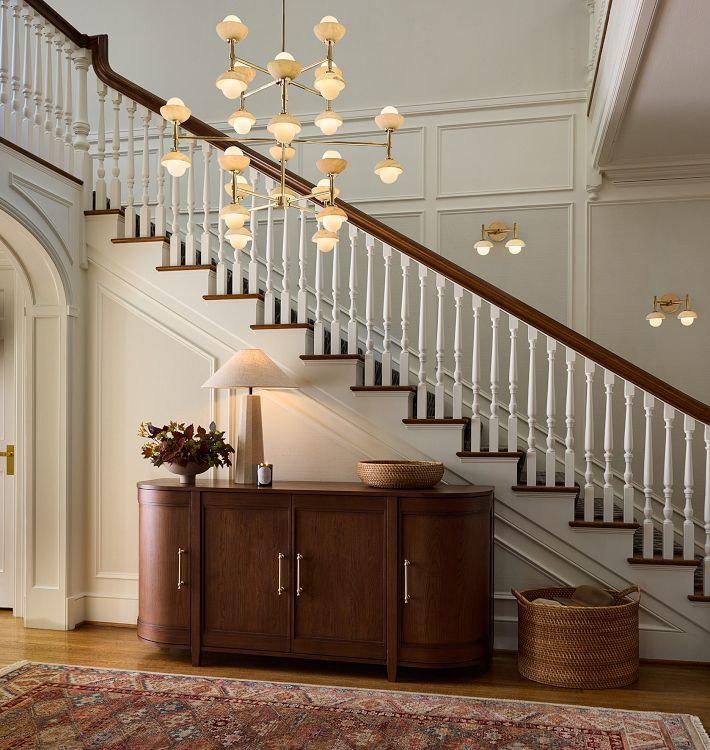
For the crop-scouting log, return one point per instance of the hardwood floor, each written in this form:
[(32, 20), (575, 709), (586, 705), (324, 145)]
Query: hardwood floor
[(661, 687)]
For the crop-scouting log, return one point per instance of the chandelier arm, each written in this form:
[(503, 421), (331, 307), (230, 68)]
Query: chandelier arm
[(304, 87), (313, 65), (339, 143), (261, 88), (224, 138), (252, 65), (261, 208)]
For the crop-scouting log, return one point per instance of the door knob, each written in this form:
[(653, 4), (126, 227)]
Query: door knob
[(9, 454)]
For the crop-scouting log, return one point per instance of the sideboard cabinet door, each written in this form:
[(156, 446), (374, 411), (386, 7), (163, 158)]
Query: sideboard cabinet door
[(340, 605), (444, 582), (245, 577), (163, 576)]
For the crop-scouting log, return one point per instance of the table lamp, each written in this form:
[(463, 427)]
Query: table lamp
[(248, 368)]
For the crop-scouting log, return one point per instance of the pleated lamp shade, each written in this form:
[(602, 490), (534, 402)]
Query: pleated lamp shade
[(249, 368)]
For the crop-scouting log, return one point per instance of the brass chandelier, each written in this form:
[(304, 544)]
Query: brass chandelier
[(284, 128)]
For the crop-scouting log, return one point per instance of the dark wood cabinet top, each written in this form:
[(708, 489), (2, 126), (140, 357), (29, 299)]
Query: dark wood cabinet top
[(317, 488)]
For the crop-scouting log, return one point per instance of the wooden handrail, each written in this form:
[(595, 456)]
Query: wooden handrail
[(435, 262)]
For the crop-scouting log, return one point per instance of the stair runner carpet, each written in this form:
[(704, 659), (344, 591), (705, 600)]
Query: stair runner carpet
[(45, 705)]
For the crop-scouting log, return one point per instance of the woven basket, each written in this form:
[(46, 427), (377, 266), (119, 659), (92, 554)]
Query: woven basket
[(400, 474), (578, 647)]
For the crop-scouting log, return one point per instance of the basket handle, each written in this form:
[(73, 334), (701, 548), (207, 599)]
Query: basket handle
[(630, 589), (519, 597)]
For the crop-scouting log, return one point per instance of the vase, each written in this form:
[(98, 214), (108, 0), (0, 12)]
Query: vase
[(188, 472)]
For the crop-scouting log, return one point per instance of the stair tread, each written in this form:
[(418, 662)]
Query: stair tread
[(196, 267), (603, 525), (463, 421), (104, 212), (491, 454), (126, 240), (280, 326), (698, 598), (232, 296), (544, 488), (333, 357), (383, 388), (659, 560)]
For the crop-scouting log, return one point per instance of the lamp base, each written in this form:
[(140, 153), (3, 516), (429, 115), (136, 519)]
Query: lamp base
[(250, 440)]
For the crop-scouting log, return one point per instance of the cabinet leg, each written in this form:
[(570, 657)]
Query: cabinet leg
[(197, 658), (392, 671)]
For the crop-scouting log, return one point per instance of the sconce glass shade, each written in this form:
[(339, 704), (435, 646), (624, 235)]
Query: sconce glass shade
[(687, 317), (388, 170), (325, 240), (284, 128), (234, 215), (176, 163), (483, 247), (515, 245), (238, 238), (655, 318), (241, 121)]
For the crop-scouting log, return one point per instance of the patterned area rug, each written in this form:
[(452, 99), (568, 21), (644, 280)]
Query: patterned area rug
[(47, 706)]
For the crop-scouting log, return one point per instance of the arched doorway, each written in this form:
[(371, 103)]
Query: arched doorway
[(46, 542)]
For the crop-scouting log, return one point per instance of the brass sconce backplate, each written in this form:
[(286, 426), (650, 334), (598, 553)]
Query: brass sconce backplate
[(669, 303), (497, 231)]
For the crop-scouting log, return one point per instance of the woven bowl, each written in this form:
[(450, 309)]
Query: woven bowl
[(400, 474)]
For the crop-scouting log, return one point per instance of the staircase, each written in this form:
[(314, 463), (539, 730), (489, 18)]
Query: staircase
[(418, 356)]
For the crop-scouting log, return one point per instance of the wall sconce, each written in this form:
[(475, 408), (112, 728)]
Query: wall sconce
[(498, 231), (668, 304)]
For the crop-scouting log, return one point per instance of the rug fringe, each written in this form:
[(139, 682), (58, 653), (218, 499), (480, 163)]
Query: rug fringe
[(12, 667), (699, 729)]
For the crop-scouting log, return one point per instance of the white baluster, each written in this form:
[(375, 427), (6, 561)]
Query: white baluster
[(421, 346), (318, 327), (190, 238), (130, 211), (26, 137), (4, 71), (205, 238), (457, 393), (648, 404), (68, 111), (144, 213), (335, 314), (629, 391), (476, 376), (254, 225), (550, 456), (15, 79), (404, 357), (369, 313), (101, 92), (688, 525), (37, 136), (387, 318), (302, 305), (589, 441), (59, 104), (569, 419), (439, 392), (175, 239), (49, 93), (531, 455), (160, 222), (706, 513), (269, 295), (352, 283), (286, 266), (222, 266), (513, 385), (82, 160), (493, 421), (608, 506), (668, 418), (115, 191)]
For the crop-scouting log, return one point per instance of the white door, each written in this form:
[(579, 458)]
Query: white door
[(7, 437)]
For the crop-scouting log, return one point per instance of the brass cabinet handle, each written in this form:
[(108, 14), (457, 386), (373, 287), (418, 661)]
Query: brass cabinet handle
[(181, 583), (280, 588), (9, 454), (299, 557), (407, 597)]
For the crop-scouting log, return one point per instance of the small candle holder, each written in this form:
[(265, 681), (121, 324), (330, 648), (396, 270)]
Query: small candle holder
[(264, 475)]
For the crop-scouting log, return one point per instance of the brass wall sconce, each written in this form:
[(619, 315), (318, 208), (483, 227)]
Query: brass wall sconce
[(497, 232), (668, 304)]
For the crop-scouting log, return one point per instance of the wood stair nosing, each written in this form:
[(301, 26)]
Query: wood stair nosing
[(280, 326), (545, 488), (491, 454), (105, 212), (196, 267), (604, 525), (463, 421), (659, 560), (332, 357), (383, 388), (126, 240), (232, 296), (699, 598)]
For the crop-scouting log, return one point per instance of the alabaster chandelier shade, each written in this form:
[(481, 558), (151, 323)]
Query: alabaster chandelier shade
[(249, 368), (284, 131)]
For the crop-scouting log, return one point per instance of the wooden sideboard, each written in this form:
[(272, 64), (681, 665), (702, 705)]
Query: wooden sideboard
[(318, 570)]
